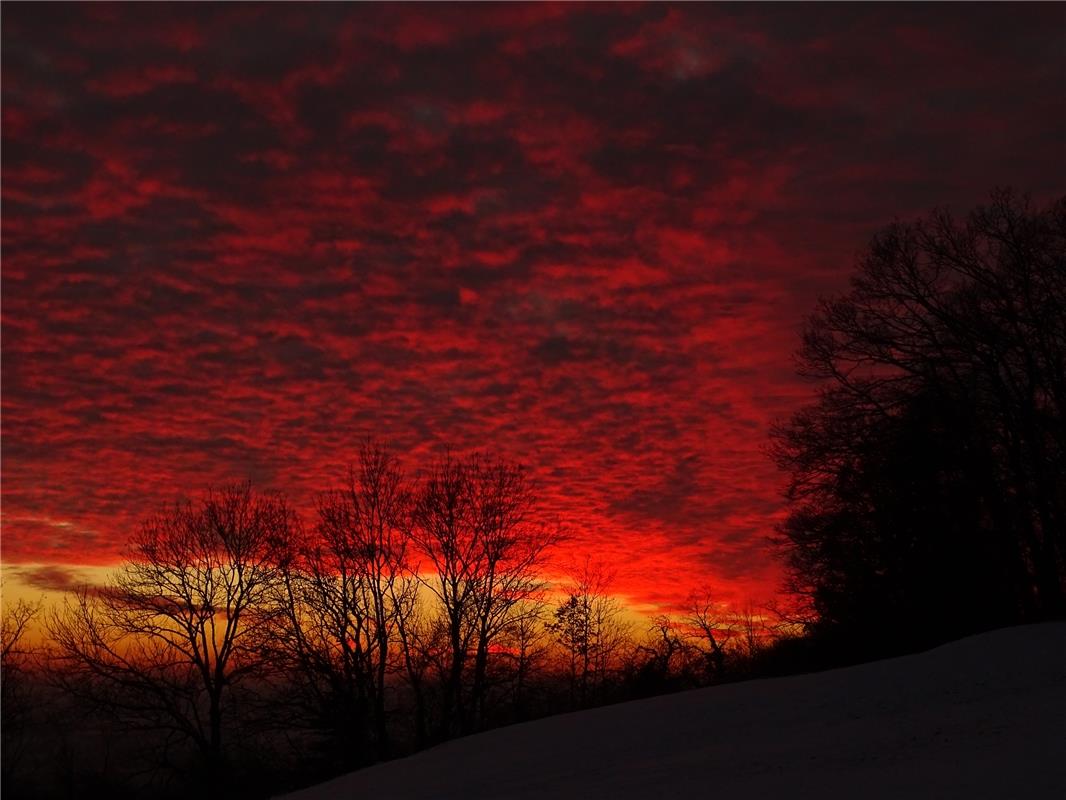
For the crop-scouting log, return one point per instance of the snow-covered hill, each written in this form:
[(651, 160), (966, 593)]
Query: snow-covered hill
[(984, 717)]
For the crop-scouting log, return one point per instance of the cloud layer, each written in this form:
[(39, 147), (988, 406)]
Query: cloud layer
[(237, 238)]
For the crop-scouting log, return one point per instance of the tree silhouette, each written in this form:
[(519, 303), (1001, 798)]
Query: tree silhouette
[(177, 629), (589, 629), (346, 593), (525, 644), (711, 633), (474, 522), (927, 480), (16, 695), (664, 659)]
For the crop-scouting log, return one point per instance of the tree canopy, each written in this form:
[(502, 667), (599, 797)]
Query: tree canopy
[(926, 480)]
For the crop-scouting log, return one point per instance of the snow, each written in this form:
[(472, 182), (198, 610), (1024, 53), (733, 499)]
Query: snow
[(984, 717)]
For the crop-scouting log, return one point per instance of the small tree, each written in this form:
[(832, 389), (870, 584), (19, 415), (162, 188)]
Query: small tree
[(589, 629), (707, 626), (666, 657), (171, 635)]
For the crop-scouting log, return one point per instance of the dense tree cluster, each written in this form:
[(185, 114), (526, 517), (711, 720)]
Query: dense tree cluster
[(928, 481)]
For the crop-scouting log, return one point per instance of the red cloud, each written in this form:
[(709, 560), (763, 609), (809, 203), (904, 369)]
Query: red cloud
[(238, 238)]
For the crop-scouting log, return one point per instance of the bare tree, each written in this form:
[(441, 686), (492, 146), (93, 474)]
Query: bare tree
[(588, 627), (474, 521), (422, 641), (525, 644), (347, 597), (171, 635), (706, 622), (753, 630), (15, 693), (15, 624), (668, 652)]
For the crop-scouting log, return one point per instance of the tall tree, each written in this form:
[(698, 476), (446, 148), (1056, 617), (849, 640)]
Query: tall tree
[(347, 593), (927, 479), (474, 521)]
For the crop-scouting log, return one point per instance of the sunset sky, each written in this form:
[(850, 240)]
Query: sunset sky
[(236, 239)]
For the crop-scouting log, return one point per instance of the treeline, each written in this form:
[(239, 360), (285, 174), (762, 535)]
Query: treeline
[(241, 648), (928, 480)]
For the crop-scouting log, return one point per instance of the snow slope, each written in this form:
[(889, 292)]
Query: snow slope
[(984, 717)]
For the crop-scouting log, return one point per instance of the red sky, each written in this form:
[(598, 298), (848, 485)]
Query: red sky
[(238, 238)]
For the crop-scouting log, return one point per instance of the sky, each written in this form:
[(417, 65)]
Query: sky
[(236, 239)]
